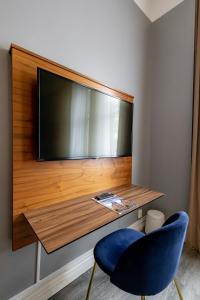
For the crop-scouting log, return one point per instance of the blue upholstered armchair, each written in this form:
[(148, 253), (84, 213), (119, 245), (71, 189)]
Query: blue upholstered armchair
[(142, 264)]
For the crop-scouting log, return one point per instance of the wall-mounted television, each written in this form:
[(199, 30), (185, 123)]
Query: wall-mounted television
[(78, 122)]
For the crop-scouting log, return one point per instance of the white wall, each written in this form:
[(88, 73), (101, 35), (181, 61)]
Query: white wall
[(154, 9), (106, 40)]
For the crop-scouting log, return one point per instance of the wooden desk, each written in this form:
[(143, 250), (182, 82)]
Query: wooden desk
[(60, 224)]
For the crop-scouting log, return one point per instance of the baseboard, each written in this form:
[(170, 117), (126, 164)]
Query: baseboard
[(53, 283)]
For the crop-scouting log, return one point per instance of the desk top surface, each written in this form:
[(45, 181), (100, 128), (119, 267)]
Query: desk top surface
[(60, 224)]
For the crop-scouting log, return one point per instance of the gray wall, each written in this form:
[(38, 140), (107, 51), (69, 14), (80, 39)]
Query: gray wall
[(107, 40), (172, 39)]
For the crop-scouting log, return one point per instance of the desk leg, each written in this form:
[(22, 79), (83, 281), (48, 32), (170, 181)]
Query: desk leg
[(38, 262)]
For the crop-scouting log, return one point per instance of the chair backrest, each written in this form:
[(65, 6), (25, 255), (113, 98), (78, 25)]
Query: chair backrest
[(150, 263)]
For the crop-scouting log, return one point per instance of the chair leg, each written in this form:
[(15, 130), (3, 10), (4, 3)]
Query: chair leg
[(142, 297), (90, 283), (178, 290)]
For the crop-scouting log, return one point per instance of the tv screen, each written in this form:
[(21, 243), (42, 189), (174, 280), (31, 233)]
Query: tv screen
[(76, 122)]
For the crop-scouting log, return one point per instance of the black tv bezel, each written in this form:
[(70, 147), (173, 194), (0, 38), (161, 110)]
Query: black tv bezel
[(76, 157)]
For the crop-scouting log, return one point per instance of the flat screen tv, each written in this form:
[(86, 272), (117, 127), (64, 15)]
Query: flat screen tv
[(78, 122)]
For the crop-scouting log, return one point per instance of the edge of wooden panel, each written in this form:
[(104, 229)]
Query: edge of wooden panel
[(122, 95)]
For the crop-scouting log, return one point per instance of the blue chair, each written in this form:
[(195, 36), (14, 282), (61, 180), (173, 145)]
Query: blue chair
[(142, 264)]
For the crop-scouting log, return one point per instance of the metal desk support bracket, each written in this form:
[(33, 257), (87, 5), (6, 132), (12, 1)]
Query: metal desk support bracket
[(38, 262)]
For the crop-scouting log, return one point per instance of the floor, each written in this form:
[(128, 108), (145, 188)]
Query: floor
[(188, 277)]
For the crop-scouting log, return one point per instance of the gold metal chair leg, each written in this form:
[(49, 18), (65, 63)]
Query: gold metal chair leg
[(90, 283), (178, 290), (142, 297)]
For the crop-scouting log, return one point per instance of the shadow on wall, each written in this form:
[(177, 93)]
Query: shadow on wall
[(142, 132), (5, 149), (15, 267)]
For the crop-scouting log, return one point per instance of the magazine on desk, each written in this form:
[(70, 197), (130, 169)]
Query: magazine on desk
[(115, 203)]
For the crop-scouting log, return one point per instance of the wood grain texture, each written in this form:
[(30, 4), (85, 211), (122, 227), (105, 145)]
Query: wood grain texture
[(38, 184), (60, 224)]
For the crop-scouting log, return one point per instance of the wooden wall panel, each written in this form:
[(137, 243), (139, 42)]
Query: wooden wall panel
[(37, 184)]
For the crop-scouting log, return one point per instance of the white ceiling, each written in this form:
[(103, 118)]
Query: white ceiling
[(154, 9)]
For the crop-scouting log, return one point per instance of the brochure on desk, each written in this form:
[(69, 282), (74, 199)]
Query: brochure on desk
[(115, 203)]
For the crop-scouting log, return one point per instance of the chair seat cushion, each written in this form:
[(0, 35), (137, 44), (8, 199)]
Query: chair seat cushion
[(109, 249)]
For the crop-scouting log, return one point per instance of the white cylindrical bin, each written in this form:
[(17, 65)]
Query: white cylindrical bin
[(154, 220)]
